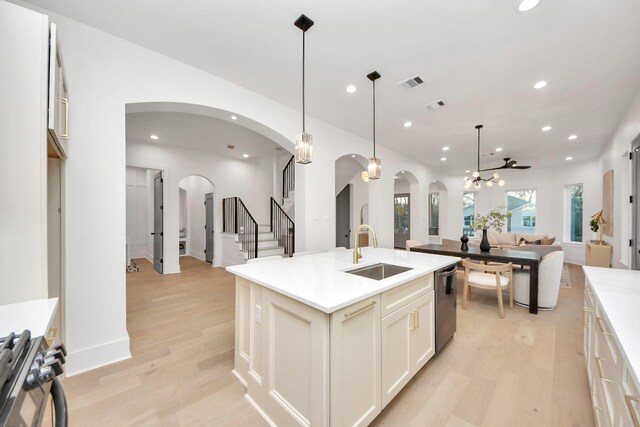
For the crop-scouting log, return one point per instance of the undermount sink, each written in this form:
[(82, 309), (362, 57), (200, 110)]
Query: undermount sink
[(379, 271)]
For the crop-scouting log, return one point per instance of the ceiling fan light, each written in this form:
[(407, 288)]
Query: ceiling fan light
[(374, 168), (501, 183), (478, 185), (475, 174), (489, 183), (304, 148), (496, 175)]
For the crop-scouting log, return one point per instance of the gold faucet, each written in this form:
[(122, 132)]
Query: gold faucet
[(357, 252)]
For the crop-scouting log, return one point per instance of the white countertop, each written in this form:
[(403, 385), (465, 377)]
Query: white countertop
[(619, 294), (320, 280), (36, 316)]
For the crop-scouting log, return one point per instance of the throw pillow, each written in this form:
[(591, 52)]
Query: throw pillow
[(547, 241), (525, 242)]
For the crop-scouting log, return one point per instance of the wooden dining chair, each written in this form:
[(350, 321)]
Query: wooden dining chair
[(491, 277)]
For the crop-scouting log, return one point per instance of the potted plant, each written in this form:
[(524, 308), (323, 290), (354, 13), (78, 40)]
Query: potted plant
[(494, 219)]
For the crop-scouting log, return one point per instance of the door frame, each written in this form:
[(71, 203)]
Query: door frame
[(635, 210), (160, 266), (213, 226), (350, 198)]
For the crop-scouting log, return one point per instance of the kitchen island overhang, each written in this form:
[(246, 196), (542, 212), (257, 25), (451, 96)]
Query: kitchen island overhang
[(318, 345)]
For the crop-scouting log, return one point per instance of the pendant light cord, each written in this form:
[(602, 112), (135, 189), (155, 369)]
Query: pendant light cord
[(303, 110), (478, 153), (374, 119)]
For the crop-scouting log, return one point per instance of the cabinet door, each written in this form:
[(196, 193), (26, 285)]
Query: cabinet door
[(58, 115), (355, 363), (423, 341), (397, 329)]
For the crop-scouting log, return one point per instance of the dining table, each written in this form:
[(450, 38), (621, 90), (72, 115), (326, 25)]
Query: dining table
[(529, 256)]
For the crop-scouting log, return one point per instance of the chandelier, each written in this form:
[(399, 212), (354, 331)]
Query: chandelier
[(476, 180)]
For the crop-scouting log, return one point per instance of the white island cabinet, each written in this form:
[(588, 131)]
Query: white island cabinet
[(318, 346), (612, 345)]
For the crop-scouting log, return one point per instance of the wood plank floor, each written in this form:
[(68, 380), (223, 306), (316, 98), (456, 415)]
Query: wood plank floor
[(524, 370)]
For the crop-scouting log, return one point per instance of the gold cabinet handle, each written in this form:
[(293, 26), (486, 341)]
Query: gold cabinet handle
[(417, 317), (412, 327), (360, 310), (598, 360), (52, 336), (634, 416), (600, 320), (65, 135), (586, 309)]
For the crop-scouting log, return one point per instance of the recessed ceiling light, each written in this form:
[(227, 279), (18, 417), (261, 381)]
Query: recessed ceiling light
[(442, 159), (527, 5), (353, 155), (245, 155), (499, 149), (154, 137), (445, 148), (467, 171), (234, 118), (407, 124), (572, 137), (540, 85), (351, 88), (546, 129), (568, 158), (401, 171)]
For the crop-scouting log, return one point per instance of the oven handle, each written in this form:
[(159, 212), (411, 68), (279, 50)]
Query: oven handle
[(59, 404)]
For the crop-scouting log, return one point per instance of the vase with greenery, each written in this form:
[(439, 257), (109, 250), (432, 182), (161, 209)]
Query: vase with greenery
[(494, 219)]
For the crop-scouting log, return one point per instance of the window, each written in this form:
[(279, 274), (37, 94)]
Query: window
[(521, 207), (468, 212), (574, 200), (434, 212)]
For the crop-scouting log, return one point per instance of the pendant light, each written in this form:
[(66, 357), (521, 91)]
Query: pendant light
[(304, 141), (374, 168), (477, 179)]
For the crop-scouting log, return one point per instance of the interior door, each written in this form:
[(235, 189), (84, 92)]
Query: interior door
[(401, 220), (157, 222), (343, 217), (208, 227), (635, 244), (54, 242)]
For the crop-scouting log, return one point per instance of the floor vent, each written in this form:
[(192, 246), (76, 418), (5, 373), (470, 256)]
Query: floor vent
[(411, 83), (435, 105)]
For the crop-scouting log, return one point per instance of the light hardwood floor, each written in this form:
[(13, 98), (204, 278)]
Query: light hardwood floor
[(524, 370)]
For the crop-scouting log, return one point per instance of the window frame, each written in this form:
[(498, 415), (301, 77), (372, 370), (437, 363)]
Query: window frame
[(533, 215), (567, 222)]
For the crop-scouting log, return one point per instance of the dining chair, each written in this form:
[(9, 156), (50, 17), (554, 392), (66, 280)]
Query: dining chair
[(411, 243), (490, 277)]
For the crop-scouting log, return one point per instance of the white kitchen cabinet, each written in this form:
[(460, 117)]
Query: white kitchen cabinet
[(408, 342), (355, 363), (614, 389), (58, 105)]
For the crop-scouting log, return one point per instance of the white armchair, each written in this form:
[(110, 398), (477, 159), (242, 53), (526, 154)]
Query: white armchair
[(549, 273)]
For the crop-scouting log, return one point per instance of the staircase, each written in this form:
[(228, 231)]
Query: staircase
[(251, 240), (288, 188)]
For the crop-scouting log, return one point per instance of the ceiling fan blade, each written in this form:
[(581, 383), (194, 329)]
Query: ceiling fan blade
[(520, 167), (493, 169)]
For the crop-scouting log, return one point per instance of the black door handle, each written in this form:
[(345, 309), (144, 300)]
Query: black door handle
[(153, 234)]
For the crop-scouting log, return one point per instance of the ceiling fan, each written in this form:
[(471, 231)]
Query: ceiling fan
[(508, 164)]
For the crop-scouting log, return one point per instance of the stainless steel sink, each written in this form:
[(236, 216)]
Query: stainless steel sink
[(379, 271)]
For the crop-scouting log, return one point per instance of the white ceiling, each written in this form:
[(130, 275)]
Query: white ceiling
[(202, 133), (481, 57)]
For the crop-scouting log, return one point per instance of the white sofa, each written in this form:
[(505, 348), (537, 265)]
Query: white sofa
[(512, 240), (549, 274)]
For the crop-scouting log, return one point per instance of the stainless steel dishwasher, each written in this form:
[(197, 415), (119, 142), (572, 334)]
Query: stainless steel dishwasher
[(445, 289)]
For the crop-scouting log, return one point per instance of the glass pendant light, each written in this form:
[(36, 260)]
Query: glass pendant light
[(374, 168), (304, 141)]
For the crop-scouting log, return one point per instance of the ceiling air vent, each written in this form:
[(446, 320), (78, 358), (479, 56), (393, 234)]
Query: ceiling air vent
[(411, 83), (435, 105)]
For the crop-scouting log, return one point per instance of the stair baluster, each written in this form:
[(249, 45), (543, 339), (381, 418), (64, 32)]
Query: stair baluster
[(283, 228), (237, 219)]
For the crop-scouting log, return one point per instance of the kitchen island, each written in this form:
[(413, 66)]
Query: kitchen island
[(320, 342)]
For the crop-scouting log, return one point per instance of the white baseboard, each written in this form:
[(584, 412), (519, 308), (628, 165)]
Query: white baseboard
[(198, 255), (95, 357), (258, 409)]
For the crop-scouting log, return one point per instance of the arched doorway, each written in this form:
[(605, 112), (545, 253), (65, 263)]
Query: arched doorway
[(404, 191), (352, 199), (195, 219)]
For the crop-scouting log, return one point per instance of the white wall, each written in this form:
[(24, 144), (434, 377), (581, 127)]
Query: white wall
[(106, 74), (196, 187), (23, 155), (550, 185)]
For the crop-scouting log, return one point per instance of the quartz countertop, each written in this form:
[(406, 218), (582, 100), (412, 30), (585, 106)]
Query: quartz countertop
[(36, 316), (320, 280), (618, 292)]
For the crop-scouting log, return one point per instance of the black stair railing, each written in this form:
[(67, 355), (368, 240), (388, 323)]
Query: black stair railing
[(237, 219), (283, 228), (288, 178)]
